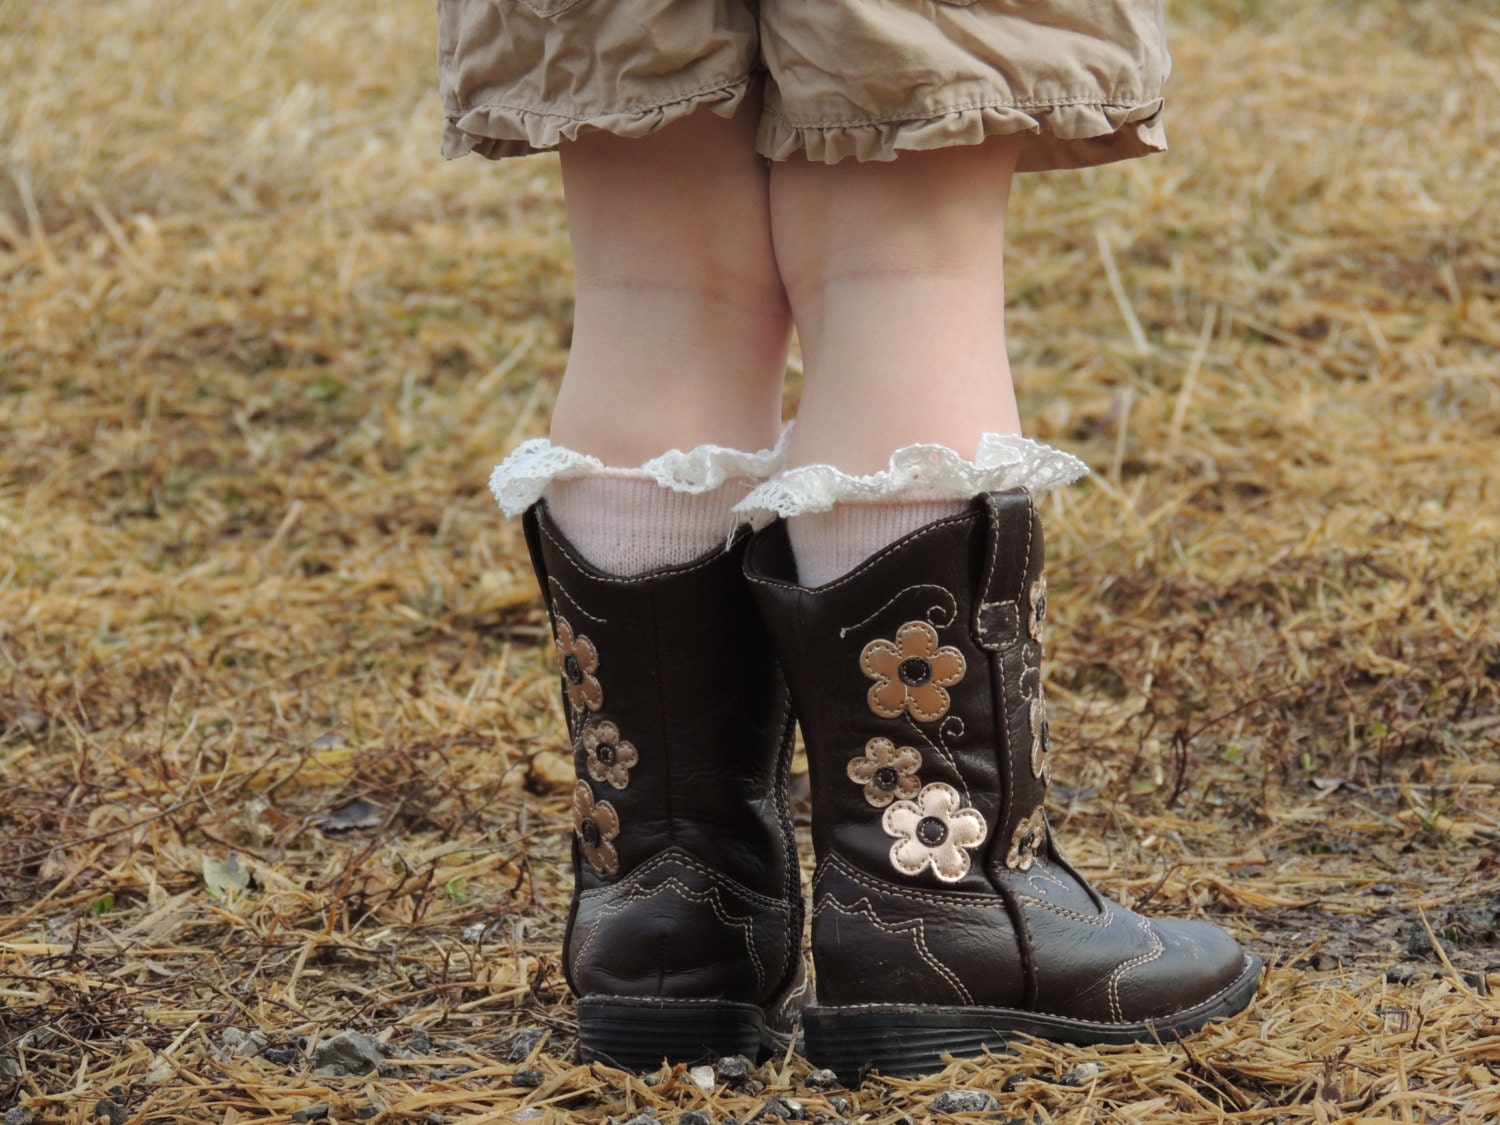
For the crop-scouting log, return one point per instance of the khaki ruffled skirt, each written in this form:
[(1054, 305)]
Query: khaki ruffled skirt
[(1079, 80)]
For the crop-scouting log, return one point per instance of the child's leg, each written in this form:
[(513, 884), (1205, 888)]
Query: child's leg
[(680, 323), (895, 272), (679, 339), (896, 276)]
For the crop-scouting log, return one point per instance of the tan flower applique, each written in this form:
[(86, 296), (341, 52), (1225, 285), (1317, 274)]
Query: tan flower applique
[(579, 660), (1037, 612), (1027, 840), (597, 824), (912, 674), (1040, 738), (933, 831), (886, 772), (609, 756)]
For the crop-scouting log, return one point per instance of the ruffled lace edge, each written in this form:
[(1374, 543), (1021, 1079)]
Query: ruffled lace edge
[(1064, 135), (498, 131), (520, 480), (916, 472)]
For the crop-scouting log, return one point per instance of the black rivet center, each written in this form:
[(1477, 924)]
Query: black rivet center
[(572, 669), (914, 670), (605, 752), (589, 831), (932, 831), (887, 778)]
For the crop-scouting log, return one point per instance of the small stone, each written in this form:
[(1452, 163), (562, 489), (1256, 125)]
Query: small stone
[(10, 1066), (1384, 890), (113, 1111), (840, 1105), (433, 1119), (19, 1115), (530, 1113), (528, 1078), (281, 1056), (365, 1112), (524, 1044), (242, 1044), (1324, 962), (652, 1080), (1082, 1073), (784, 1109), (733, 1070), (963, 1101), (351, 1051), (420, 1042), (315, 1112), (821, 1080), (703, 1078), (648, 1117), (695, 1117), (1404, 974)]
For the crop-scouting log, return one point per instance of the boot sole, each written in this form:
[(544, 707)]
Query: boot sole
[(638, 1034), (906, 1041)]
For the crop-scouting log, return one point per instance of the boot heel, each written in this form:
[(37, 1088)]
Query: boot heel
[(897, 1043), (637, 1034)]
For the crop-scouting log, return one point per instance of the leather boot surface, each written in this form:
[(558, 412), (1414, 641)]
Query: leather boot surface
[(944, 917), (684, 937)]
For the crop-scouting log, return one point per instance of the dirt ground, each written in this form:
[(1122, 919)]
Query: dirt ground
[(280, 748)]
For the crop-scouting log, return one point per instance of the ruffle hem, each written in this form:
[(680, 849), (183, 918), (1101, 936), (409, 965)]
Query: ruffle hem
[(1078, 134), (495, 131), (916, 472), (519, 481)]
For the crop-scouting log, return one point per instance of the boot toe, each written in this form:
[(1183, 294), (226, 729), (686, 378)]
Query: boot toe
[(1191, 968)]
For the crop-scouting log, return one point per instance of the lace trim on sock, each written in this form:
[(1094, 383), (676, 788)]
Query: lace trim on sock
[(519, 481), (917, 472)]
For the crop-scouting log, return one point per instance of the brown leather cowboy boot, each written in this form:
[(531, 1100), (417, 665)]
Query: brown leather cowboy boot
[(944, 918), (684, 937)]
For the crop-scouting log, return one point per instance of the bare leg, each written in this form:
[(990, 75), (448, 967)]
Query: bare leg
[(681, 324), (895, 272)]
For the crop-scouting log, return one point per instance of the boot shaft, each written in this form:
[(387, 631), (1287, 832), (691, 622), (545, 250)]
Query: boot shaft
[(686, 884), (917, 681)]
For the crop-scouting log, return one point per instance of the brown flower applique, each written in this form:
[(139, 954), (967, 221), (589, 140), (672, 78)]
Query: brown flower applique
[(936, 831), (886, 772), (579, 660), (911, 674), (609, 756), (597, 824), (1037, 613), (1040, 738), (1027, 840)]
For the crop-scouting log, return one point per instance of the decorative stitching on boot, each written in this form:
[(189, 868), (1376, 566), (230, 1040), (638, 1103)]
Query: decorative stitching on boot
[(562, 591), (610, 757), (934, 831), (951, 611), (913, 927), (637, 893), (1133, 963), (682, 859), (911, 674), (956, 899), (886, 772), (951, 727), (578, 659), (596, 824)]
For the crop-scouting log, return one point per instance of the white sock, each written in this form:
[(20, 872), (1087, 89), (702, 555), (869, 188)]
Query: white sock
[(828, 545), (628, 525)]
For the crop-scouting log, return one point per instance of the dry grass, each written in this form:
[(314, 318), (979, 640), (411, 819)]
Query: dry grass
[(259, 348)]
